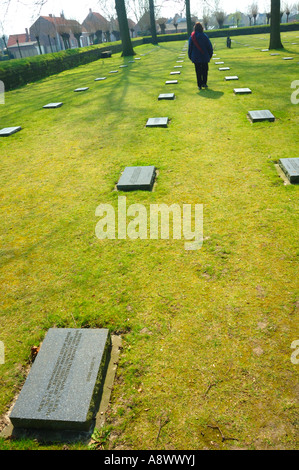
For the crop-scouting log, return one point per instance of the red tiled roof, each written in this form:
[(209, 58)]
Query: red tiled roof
[(12, 40)]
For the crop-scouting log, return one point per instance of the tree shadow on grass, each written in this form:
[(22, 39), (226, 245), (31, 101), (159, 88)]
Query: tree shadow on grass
[(210, 94)]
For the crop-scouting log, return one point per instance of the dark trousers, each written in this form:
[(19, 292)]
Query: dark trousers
[(202, 73)]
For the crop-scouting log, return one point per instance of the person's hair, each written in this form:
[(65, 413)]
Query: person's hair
[(198, 28)]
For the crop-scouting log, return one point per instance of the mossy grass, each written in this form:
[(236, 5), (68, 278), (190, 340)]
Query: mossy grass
[(206, 335)]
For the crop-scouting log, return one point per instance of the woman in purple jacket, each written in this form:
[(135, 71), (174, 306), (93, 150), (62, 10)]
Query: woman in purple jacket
[(200, 53)]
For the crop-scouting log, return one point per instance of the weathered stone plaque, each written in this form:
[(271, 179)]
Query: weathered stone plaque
[(175, 73), (53, 105), (216, 58), (122, 66), (64, 385), (82, 89), (171, 82), (275, 53), (264, 50), (224, 68), (113, 71), (288, 58), (219, 63), (166, 96), (179, 61), (242, 91), (233, 77), (100, 78), (157, 122), (137, 178), (7, 131), (259, 116), (290, 167), (131, 61), (177, 66)]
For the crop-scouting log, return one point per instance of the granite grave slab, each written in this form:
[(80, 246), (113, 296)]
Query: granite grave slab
[(157, 122), (166, 96), (137, 178), (99, 79), (171, 82), (259, 116), (242, 91), (290, 167), (222, 69), (233, 77), (82, 89), (52, 105), (175, 73), (64, 385), (7, 131)]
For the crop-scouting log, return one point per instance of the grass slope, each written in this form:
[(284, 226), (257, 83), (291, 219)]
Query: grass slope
[(206, 334)]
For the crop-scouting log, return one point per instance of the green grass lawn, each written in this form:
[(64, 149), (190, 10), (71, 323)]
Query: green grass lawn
[(206, 334)]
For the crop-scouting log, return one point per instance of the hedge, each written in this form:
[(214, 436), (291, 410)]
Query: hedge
[(224, 32), (19, 72)]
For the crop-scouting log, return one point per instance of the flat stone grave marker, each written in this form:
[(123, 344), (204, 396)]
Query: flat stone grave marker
[(177, 66), (166, 96), (137, 58), (219, 63), (290, 167), (259, 116), (99, 78), (64, 385), (275, 53), (179, 61), (233, 77), (137, 178), (288, 58), (53, 105), (7, 131), (242, 91), (113, 71), (131, 61), (157, 122), (264, 50), (81, 89), (216, 58), (224, 68), (122, 66), (171, 82), (175, 73)]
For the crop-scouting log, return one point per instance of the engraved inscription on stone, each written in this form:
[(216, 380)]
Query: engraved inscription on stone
[(64, 385), (259, 116), (56, 384)]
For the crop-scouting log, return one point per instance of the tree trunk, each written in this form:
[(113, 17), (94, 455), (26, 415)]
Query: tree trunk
[(188, 18), (275, 40), (124, 28), (153, 22)]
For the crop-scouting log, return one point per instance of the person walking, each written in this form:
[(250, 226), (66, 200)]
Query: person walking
[(200, 52)]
